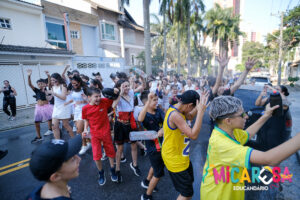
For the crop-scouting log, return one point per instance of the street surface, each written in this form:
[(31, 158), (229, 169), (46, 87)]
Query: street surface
[(16, 180)]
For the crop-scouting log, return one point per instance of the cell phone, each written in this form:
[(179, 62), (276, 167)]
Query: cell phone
[(275, 99)]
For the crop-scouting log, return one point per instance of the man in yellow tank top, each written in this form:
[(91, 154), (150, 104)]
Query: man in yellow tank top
[(177, 135)]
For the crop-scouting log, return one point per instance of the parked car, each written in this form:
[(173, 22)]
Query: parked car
[(260, 80)]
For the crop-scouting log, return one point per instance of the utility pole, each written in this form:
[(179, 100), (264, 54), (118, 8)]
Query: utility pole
[(280, 49)]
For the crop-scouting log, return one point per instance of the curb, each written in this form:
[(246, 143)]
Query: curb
[(15, 127)]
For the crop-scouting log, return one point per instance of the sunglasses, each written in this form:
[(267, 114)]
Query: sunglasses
[(243, 115)]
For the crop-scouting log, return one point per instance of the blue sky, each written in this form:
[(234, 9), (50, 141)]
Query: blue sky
[(257, 12)]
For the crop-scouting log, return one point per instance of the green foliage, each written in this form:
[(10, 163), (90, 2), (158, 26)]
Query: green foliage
[(292, 80), (254, 50), (240, 67)]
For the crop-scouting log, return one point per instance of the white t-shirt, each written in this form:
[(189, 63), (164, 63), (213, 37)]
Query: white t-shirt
[(186, 87), (124, 105)]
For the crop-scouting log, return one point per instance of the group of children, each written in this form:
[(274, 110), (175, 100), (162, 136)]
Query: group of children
[(139, 104)]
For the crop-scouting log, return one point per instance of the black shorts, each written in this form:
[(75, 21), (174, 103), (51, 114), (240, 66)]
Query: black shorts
[(183, 181), (121, 132), (157, 164)]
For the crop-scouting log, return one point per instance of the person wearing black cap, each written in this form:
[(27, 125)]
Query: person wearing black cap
[(177, 136), (56, 162)]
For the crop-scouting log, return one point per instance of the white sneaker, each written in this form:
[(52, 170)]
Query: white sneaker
[(49, 132), (89, 145), (12, 118), (83, 150), (74, 129)]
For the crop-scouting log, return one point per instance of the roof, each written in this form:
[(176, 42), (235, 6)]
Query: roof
[(25, 49), (33, 4)]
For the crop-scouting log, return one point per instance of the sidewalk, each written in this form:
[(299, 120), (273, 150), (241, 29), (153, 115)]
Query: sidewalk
[(24, 117)]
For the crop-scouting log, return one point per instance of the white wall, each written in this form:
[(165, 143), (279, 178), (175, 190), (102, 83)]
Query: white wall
[(81, 5), (111, 4), (26, 22)]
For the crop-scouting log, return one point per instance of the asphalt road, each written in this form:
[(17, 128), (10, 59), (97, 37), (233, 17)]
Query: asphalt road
[(16, 181)]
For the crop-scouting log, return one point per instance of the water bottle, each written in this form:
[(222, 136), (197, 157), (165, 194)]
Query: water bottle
[(275, 99), (142, 135)]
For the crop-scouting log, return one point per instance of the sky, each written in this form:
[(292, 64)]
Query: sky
[(257, 13)]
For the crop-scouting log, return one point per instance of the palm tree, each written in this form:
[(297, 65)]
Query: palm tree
[(223, 26), (191, 7), (146, 4), (178, 20), (163, 11)]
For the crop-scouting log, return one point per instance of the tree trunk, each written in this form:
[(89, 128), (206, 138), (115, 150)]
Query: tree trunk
[(178, 47), (165, 43), (147, 40), (188, 44)]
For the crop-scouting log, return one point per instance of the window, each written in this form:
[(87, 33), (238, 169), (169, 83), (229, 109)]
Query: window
[(5, 23), (108, 31), (75, 34), (56, 35)]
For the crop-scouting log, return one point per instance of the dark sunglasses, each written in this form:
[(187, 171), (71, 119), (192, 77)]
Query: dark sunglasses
[(243, 115)]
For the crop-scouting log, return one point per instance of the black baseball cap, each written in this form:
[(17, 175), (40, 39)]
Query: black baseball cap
[(109, 93), (190, 96), (47, 158)]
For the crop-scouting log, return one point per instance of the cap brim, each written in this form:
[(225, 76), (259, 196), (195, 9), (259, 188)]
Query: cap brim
[(74, 146)]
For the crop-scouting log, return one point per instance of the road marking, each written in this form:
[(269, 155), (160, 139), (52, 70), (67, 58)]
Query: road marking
[(14, 169), (13, 164)]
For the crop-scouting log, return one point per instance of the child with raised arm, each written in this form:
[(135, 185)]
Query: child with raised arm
[(177, 136), (152, 118), (95, 116)]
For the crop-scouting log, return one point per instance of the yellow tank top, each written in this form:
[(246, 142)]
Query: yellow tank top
[(176, 146)]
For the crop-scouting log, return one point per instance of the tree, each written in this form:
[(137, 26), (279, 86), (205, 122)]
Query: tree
[(163, 11), (147, 39), (223, 26), (255, 50)]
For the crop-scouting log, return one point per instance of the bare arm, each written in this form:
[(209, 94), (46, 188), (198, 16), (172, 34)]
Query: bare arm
[(143, 113), (249, 65), (223, 61), (63, 75), (261, 101), (62, 96), (86, 125), (49, 79), (177, 120), (14, 91), (276, 155)]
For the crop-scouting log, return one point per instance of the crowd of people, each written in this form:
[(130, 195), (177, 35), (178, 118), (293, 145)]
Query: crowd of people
[(172, 106)]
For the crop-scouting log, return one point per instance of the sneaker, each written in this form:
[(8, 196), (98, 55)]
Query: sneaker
[(123, 160), (3, 154), (113, 175), (146, 197), (104, 157), (36, 139), (102, 179), (120, 179), (89, 145), (49, 132), (145, 183), (83, 150), (12, 119), (74, 128), (135, 169)]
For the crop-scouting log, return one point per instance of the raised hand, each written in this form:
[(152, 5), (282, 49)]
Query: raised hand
[(250, 63), (223, 59), (47, 73), (29, 72), (116, 90), (151, 96), (269, 110), (203, 103)]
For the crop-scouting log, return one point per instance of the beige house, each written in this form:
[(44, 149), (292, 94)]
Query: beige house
[(104, 30)]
